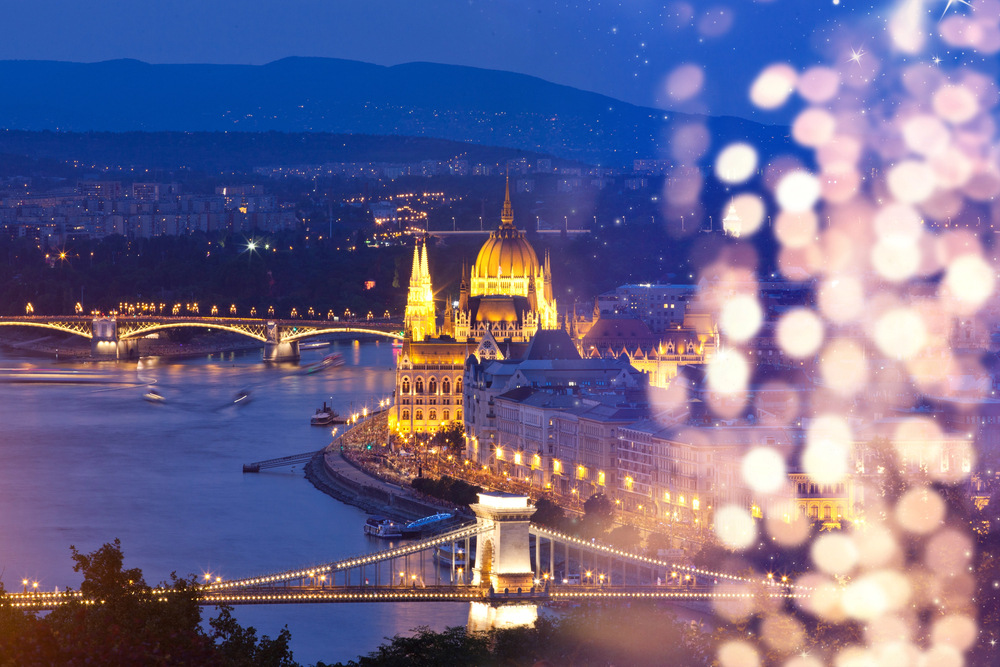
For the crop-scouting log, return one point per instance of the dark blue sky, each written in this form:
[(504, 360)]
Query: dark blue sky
[(625, 49)]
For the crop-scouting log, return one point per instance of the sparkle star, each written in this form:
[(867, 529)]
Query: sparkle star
[(856, 56), (936, 60), (955, 2)]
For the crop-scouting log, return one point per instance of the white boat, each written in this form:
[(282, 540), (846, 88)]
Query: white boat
[(379, 526), (328, 361), (443, 555), (325, 416), (153, 396)]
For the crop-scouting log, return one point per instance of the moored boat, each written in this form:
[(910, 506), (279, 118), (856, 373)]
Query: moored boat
[(379, 526), (325, 416), (427, 525)]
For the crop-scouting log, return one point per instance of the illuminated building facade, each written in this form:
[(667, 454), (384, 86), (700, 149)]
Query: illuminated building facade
[(504, 301)]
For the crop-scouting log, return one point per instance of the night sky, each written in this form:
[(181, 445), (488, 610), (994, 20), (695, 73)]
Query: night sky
[(623, 49)]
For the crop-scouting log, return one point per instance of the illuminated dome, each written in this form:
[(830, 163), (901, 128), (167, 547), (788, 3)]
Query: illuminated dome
[(506, 253)]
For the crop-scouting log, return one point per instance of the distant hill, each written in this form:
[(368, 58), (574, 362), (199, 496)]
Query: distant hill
[(340, 96)]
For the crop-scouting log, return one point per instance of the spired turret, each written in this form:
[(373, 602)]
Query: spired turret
[(419, 320)]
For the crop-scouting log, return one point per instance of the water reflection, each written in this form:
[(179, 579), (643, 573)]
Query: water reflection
[(87, 462)]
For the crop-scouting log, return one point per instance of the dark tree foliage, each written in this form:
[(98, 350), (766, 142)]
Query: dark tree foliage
[(639, 635), (626, 537), (450, 437), (456, 491), (131, 626), (598, 515), (548, 513)]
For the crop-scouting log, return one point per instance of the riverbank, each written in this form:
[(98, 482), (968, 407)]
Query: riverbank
[(330, 472)]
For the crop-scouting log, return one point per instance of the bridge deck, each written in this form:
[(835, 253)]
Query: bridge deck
[(442, 593)]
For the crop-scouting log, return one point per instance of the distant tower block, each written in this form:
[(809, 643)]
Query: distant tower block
[(503, 557)]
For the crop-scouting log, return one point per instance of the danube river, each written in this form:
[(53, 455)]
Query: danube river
[(83, 464)]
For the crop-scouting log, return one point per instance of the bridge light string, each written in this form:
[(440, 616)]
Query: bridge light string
[(596, 546), (349, 563)]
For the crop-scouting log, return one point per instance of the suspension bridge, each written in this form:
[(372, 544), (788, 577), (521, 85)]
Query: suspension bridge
[(517, 567)]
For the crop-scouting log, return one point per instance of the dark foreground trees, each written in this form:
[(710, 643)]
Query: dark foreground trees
[(131, 627), (639, 635)]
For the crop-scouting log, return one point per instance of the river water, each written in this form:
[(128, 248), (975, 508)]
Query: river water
[(83, 464)]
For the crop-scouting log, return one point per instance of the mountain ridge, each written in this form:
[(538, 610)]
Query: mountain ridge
[(311, 94)]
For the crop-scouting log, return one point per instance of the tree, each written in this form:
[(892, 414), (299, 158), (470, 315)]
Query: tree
[(451, 438), (547, 513), (598, 515), (124, 621), (626, 537)]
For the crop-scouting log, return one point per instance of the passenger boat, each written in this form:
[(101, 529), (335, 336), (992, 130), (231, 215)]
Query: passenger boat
[(328, 361), (443, 555), (153, 396), (379, 526), (325, 416), (426, 525)]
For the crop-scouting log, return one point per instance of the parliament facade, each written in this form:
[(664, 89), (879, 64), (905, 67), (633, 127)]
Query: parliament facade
[(506, 298)]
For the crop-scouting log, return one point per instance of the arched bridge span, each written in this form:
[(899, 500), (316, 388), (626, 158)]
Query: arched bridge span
[(110, 335)]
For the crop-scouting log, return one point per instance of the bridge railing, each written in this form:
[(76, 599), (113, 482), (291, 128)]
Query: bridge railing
[(620, 554), (359, 561)]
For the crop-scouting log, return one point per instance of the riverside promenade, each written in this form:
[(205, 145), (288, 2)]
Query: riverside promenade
[(333, 472)]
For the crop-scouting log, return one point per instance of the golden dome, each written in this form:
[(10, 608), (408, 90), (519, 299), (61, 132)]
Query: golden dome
[(506, 252)]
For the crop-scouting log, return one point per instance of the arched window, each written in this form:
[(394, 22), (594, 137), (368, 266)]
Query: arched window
[(826, 511), (433, 416), (419, 386), (458, 386), (406, 415), (419, 416), (432, 386), (446, 386), (445, 415), (406, 385), (458, 415)]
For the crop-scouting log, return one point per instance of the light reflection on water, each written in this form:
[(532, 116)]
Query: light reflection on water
[(83, 464)]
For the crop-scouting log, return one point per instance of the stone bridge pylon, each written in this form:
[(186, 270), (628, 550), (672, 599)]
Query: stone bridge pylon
[(503, 562)]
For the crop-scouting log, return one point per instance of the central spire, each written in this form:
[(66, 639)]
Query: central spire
[(507, 214)]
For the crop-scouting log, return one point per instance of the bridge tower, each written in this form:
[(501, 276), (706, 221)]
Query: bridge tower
[(503, 562), (274, 348), (105, 343)]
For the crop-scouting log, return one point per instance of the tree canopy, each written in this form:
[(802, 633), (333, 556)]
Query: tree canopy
[(131, 625)]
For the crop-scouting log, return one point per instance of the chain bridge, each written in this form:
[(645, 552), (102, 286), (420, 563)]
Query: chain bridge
[(118, 336), (517, 566)]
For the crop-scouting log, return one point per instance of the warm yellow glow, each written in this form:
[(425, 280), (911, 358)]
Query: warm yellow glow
[(503, 501)]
